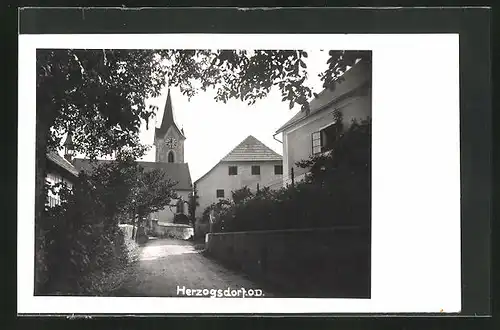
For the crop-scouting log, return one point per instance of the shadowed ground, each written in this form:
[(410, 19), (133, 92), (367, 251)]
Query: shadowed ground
[(166, 264)]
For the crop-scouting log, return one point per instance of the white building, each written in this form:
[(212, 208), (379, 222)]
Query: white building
[(250, 163), (311, 133)]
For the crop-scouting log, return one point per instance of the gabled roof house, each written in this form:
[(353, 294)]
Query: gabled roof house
[(251, 163), (311, 133)]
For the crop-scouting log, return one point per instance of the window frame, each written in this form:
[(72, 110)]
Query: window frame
[(278, 166), (255, 167), (235, 167), (316, 147), (334, 129), (171, 152), (319, 137), (217, 193)]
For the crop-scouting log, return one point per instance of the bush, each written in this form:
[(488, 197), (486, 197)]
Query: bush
[(241, 195), (80, 240)]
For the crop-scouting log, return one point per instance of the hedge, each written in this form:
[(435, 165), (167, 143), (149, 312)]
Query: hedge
[(81, 243)]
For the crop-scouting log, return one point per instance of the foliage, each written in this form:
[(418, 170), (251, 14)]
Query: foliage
[(337, 192), (82, 235), (106, 283), (351, 155), (80, 238), (151, 192), (215, 209), (98, 95), (250, 75), (242, 194)]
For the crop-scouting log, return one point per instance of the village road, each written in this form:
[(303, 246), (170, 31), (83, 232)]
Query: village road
[(167, 267)]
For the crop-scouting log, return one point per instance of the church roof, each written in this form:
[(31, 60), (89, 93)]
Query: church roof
[(251, 149), (178, 172), (168, 119), (54, 158)]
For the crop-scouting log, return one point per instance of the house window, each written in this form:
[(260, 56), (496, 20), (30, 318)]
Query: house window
[(171, 157), (328, 137), (278, 169), (324, 139), (220, 193), (233, 170), (316, 143), (255, 170)]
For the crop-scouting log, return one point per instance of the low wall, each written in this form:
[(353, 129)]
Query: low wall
[(201, 228), (333, 262), (172, 230)]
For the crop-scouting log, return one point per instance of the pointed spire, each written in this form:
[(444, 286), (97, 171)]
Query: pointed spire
[(168, 117), (168, 114), (69, 140), (69, 147)]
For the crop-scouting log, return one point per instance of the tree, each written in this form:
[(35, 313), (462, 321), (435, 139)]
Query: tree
[(115, 180), (150, 193), (98, 95)]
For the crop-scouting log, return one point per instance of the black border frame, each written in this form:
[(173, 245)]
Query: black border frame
[(473, 25)]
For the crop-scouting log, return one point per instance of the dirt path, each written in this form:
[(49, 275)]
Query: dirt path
[(168, 267)]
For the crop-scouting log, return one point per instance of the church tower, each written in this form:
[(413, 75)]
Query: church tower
[(169, 139)]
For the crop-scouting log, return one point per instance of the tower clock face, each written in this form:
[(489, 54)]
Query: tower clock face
[(171, 142)]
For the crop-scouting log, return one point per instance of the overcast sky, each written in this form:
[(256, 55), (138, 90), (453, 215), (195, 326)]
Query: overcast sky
[(213, 128)]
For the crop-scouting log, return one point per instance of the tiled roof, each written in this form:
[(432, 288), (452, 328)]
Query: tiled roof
[(251, 149), (168, 119), (54, 158), (175, 171), (354, 78)]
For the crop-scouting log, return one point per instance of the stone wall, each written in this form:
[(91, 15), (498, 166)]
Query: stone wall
[(201, 228), (172, 230), (333, 262)]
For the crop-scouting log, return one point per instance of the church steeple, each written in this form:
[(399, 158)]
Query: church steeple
[(168, 119), (169, 139)]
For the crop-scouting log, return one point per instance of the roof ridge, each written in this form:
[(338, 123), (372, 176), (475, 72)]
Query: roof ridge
[(252, 140), (179, 172)]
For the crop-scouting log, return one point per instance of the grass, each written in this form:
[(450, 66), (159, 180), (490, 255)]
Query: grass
[(105, 282)]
